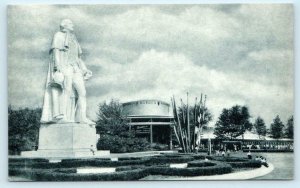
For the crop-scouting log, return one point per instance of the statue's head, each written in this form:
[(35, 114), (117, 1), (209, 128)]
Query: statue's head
[(66, 25)]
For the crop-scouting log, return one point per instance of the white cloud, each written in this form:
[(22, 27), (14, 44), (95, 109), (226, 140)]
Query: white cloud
[(239, 56), (159, 75)]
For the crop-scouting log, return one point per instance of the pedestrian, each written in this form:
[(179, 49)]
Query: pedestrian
[(223, 153), (249, 155), (228, 153)]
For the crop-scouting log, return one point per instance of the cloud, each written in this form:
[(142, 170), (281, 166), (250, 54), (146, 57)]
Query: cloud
[(236, 54), (160, 75)]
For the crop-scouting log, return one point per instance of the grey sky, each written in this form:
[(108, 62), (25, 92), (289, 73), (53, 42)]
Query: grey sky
[(236, 54)]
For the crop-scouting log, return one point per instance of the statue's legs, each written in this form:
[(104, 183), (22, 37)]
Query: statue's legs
[(66, 104), (78, 84)]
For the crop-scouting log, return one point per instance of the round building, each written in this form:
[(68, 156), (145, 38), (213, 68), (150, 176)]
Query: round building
[(152, 119)]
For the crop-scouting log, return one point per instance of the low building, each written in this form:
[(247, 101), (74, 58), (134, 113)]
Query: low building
[(152, 119), (249, 140)]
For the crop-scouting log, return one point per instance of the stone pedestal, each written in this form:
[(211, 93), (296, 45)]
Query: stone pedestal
[(66, 140)]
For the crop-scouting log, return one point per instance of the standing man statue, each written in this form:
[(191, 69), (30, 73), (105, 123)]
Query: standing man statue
[(65, 95)]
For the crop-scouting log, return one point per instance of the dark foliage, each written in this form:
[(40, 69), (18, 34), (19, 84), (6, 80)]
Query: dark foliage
[(183, 117), (233, 122), (276, 129), (260, 126), (23, 127), (118, 144), (200, 164), (114, 131), (217, 168), (289, 131), (127, 169), (236, 162), (110, 120)]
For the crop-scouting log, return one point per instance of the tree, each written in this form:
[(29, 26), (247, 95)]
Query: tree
[(232, 122), (189, 121), (23, 129), (260, 127), (276, 129), (114, 131), (289, 131), (203, 121), (110, 120)]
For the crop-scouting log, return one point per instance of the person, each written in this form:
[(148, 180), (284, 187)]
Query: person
[(228, 153), (235, 148), (264, 162), (249, 155), (257, 158), (223, 153), (65, 95)]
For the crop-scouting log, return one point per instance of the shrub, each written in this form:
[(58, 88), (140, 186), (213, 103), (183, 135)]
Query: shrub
[(129, 168), (246, 164), (201, 164), (12, 160), (122, 173), (51, 175), (23, 127), (159, 147), (118, 144), (162, 159), (126, 168), (202, 157), (218, 168), (236, 162), (230, 159)]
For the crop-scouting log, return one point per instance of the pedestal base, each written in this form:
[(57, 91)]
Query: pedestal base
[(65, 154), (66, 140)]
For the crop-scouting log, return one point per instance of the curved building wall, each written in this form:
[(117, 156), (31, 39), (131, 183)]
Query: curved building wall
[(146, 108)]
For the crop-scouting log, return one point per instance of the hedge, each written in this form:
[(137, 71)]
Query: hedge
[(129, 168), (50, 175), (236, 162), (217, 168), (201, 164), (122, 173), (269, 150), (246, 164), (126, 168), (163, 159), (230, 159), (99, 162), (28, 160), (119, 144)]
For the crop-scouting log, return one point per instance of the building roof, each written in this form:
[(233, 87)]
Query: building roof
[(147, 101), (248, 135)]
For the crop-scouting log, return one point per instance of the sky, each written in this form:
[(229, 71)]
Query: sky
[(236, 54)]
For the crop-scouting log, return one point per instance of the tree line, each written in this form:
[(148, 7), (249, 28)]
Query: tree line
[(23, 127), (235, 121)]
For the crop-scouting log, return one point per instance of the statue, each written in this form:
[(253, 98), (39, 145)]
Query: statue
[(65, 95)]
